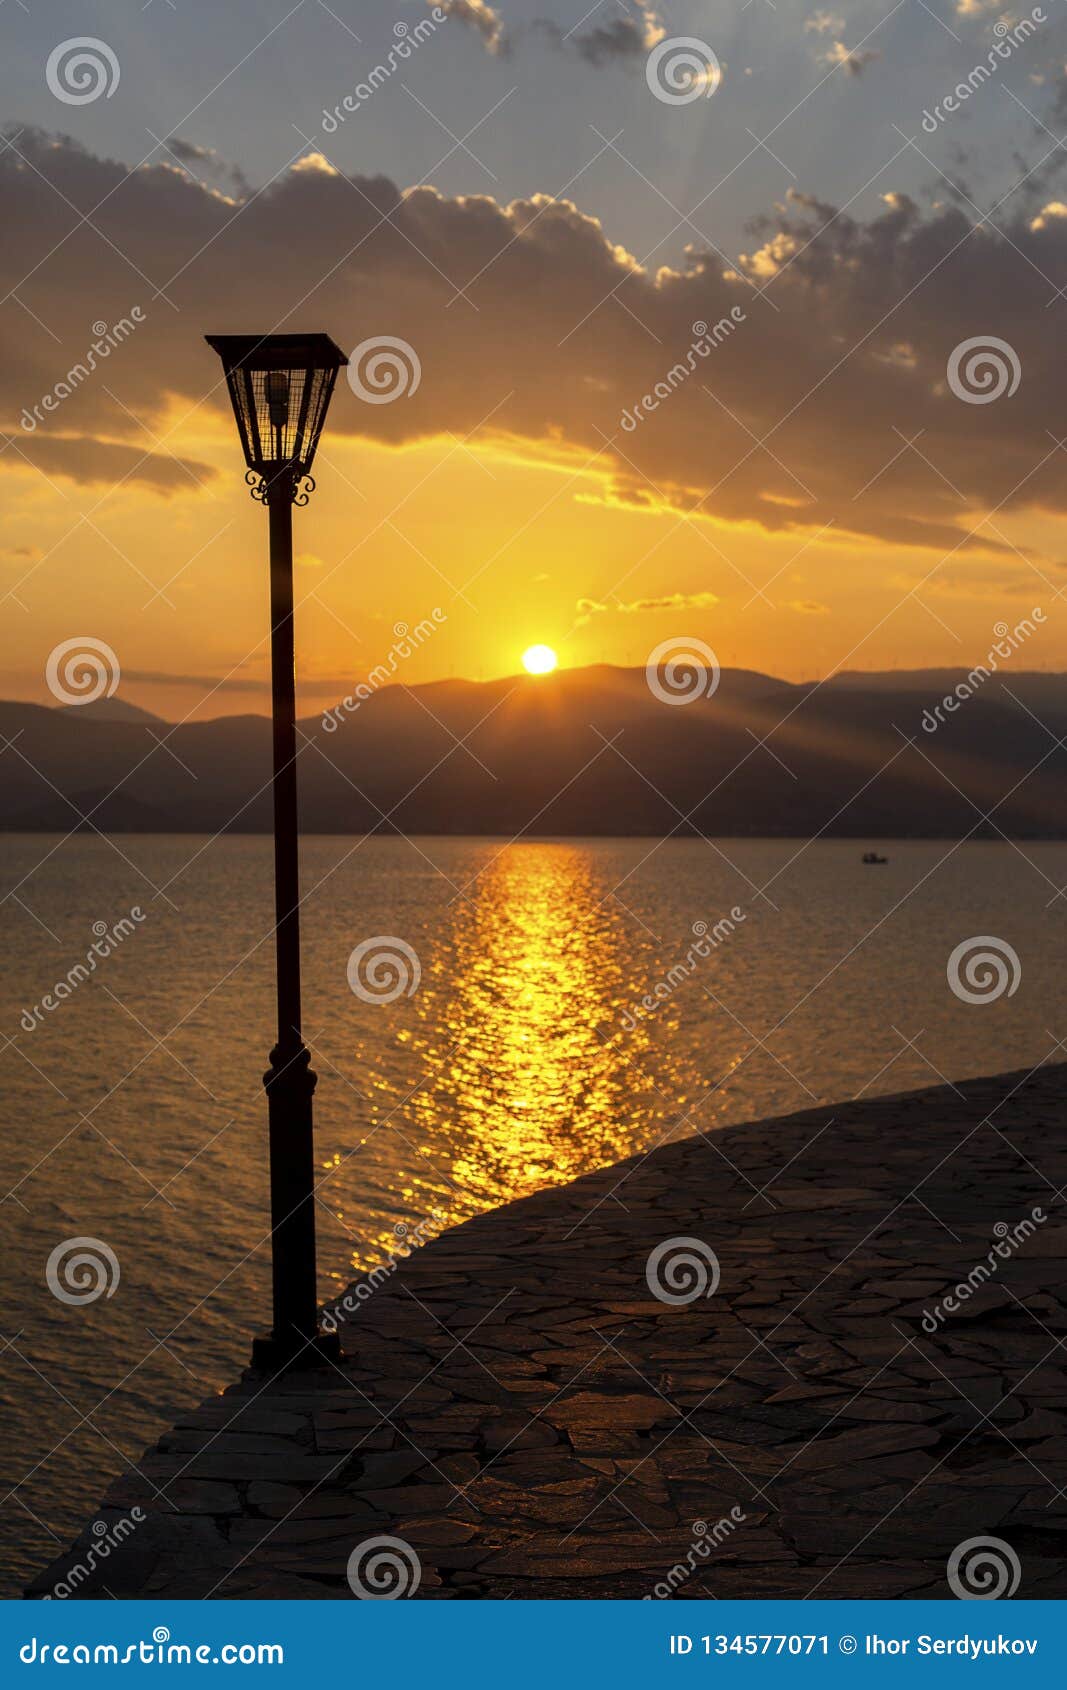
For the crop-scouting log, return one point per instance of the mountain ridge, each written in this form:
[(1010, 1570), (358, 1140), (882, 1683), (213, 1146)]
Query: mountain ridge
[(582, 752)]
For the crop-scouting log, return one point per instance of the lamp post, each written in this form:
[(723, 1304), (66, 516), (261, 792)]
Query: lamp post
[(280, 387)]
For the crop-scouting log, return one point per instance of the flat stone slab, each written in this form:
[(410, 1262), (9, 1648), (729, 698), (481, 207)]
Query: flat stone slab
[(812, 1356)]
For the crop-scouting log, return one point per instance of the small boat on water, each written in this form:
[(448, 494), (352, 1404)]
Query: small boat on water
[(873, 857)]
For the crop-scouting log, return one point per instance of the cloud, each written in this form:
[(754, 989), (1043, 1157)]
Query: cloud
[(325, 686), (100, 462), (619, 41), (314, 163), (622, 40), (824, 23), (669, 601), (854, 62), (797, 418), (1054, 209), (202, 684), (189, 152), (205, 161), (479, 16)]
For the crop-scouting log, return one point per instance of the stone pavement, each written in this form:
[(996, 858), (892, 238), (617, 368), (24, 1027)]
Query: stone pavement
[(522, 1410)]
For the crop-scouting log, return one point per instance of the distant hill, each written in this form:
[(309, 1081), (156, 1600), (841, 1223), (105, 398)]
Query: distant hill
[(582, 752), (110, 710)]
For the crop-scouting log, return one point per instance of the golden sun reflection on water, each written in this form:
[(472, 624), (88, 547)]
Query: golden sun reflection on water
[(518, 1030)]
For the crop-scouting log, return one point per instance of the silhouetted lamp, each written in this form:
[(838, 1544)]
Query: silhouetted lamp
[(280, 386)]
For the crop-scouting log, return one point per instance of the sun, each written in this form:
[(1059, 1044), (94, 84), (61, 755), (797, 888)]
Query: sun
[(539, 660)]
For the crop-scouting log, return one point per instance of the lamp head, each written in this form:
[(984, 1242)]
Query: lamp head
[(280, 386)]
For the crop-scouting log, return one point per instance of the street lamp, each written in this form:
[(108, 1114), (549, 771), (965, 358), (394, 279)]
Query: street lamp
[(280, 386)]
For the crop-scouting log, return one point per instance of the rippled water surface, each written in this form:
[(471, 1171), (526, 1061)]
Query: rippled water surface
[(133, 1111)]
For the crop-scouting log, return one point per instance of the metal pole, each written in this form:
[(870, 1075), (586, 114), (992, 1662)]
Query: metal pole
[(289, 1080)]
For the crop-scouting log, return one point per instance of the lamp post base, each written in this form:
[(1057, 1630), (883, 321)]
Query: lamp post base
[(288, 1355)]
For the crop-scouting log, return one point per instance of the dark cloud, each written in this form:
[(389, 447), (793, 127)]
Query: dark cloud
[(623, 39), (206, 161), (825, 402), (620, 40), (100, 462)]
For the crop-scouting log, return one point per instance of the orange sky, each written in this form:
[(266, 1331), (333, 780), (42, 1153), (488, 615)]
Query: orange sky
[(502, 549), (812, 493)]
